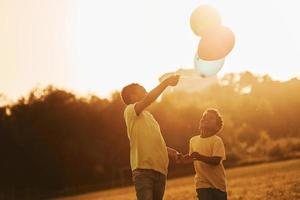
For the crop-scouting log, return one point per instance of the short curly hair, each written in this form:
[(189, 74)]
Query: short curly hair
[(127, 91), (219, 120)]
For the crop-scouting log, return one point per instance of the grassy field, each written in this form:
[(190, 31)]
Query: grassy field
[(274, 181)]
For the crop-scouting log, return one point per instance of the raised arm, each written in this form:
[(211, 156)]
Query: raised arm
[(154, 94), (211, 160)]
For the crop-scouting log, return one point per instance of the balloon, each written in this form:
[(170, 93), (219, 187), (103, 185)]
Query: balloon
[(203, 19), (208, 67), (216, 44)]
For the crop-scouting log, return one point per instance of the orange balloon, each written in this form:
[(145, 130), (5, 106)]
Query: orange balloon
[(216, 44), (203, 19)]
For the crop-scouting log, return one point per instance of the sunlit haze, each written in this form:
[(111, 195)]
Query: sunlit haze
[(92, 46)]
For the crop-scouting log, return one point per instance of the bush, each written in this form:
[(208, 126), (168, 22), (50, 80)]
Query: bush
[(294, 144), (232, 157), (277, 151)]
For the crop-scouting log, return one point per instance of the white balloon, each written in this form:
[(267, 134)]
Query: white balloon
[(208, 67)]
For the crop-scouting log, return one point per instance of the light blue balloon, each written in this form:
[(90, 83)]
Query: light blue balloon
[(208, 67)]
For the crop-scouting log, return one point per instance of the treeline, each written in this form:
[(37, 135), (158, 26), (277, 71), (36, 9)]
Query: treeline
[(54, 141)]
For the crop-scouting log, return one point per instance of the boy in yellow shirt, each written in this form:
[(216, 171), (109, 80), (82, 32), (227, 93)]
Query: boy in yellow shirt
[(207, 153), (148, 151)]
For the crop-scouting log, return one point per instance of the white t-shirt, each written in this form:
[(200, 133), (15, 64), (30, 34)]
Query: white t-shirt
[(148, 149), (209, 176)]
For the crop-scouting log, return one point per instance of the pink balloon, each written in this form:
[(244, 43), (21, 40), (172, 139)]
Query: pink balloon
[(216, 44)]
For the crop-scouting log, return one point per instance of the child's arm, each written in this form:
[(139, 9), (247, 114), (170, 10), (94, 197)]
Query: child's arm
[(153, 94), (211, 160)]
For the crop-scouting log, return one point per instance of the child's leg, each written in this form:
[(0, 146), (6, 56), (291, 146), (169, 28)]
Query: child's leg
[(219, 195), (204, 194), (143, 182), (159, 186)]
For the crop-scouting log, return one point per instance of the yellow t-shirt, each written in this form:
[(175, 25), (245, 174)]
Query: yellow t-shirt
[(209, 176), (148, 149)]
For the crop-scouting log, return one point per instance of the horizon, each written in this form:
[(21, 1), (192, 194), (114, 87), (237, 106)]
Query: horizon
[(6, 100)]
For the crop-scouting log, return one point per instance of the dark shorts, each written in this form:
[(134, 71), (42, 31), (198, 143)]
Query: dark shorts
[(211, 194), (149, 184)]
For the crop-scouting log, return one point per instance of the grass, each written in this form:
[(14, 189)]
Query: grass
[(276, 181)]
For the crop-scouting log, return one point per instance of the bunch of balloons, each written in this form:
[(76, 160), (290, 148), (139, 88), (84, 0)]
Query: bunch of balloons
[(216, 40)]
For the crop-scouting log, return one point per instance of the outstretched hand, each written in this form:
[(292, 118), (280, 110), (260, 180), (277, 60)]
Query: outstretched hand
[(185, 159), (195, 155), (172, 80), (179, 157), (173, 154)]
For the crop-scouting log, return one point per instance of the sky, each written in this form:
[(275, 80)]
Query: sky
[(92, 46)]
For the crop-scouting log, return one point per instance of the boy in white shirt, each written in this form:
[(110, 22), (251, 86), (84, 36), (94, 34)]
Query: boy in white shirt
[(207, 153), (148, 151)]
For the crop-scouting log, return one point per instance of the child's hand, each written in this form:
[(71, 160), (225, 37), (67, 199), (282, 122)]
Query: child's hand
[(184, 159), (179, 158), (172, 80), (173, 154), (195, 155)]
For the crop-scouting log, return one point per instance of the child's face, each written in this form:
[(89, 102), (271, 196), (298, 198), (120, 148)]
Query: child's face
[(208, 122)]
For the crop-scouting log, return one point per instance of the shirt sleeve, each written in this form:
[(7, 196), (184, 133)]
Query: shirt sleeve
[(129, 112), (219, 149), (129, 116)]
